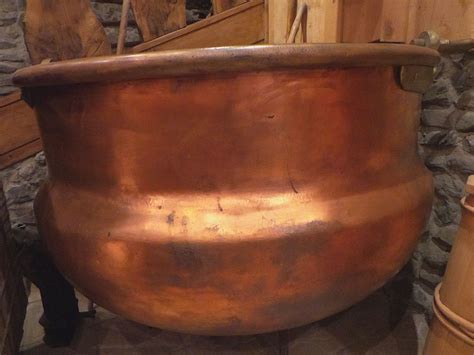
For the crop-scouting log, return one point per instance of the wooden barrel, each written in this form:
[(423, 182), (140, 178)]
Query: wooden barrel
[(452, 329)]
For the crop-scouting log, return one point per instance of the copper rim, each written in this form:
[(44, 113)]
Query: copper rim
[(221, 60)]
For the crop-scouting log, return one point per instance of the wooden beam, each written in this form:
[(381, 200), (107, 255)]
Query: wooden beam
[(156, 18), (240, 25), (219, 6), (19, 133)]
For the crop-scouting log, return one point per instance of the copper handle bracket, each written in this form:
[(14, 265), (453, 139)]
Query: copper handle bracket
[(416, 78)]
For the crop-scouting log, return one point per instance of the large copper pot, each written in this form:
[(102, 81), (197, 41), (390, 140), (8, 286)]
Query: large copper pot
[(231, 190)]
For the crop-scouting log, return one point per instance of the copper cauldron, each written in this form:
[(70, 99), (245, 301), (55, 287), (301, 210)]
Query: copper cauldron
[(232, 190)]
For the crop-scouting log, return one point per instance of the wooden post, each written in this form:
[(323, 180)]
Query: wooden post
[(123, 27)]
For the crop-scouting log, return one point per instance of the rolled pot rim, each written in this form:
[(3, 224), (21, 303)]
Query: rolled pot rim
[(208, 61)]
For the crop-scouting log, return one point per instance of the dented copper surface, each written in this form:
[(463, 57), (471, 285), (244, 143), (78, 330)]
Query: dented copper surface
[(233, 202)]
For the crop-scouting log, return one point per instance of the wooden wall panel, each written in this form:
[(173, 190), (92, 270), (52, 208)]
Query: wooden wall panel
[(323, 21), (403, 20), (281, 14), (19, 133), (451, 19)]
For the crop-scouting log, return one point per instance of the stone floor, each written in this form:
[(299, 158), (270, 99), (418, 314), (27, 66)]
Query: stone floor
[(374, 326)]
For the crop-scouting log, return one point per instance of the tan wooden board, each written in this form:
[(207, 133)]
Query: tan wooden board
[(403, 20), (451, 19), (281, 14), (240, 25), (158, 17), (19, 133), (20, 153), (322, 21)]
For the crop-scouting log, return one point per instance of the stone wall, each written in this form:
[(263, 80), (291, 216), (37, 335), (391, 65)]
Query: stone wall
[(446, 144), (13, 53), (21, 182)]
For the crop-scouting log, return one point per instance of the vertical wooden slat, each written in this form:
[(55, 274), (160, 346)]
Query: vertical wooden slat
[(395, 21), (223, 5), (376, 20), (361, 20), (323, 21), (281, 14), (156, 18), (412, 31)]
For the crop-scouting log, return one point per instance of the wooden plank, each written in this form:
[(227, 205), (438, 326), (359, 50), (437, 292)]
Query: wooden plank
[(451, 19), (281, 14), (62, 30), (219, 6), (395, 21), (361, 20), (377, 20), (10, 99), (20, 153), (156, 18), (241, 25), (19, 133), (323, 21), (403, 20)]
